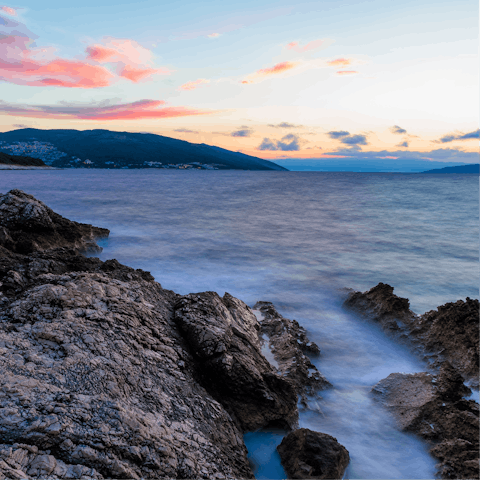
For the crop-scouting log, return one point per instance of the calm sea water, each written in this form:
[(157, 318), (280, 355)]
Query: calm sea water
[(294, 238)]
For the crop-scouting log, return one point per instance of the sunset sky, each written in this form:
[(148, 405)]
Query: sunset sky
[(275, 79)]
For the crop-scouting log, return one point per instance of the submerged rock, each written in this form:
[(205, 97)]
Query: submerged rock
[(289, 344), (308, 454)]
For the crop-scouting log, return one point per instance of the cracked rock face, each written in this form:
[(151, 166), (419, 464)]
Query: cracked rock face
[(28, 225), (290, 345), (432, 407), (105, 374), (223, 335)]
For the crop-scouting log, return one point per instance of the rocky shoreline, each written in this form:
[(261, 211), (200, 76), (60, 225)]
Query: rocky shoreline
[(431, 404), (105, 374)]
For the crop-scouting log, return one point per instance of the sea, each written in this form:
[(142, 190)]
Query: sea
[(296, 239)]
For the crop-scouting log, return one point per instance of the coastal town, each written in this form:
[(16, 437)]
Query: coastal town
[(49, 154)]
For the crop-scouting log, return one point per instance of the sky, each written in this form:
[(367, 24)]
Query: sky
[(280, 80)]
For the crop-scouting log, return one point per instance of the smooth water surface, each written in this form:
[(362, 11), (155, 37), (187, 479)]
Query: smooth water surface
[(295, 238)]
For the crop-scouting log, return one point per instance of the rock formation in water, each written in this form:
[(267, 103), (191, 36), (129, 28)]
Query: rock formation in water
[(449, 333), (103, 373), (309, 454), (431, 404), (290, 345)]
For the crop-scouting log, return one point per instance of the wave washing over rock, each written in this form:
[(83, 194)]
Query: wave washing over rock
[(431, 404), (105, 374)]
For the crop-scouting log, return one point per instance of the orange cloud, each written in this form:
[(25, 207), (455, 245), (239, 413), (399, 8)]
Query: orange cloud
[(309, 46), (278, 68), (347, 72), (194, 84), (142, 109), (340, 62), (9, 10)]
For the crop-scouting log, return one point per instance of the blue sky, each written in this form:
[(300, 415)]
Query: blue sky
[(268, 78)]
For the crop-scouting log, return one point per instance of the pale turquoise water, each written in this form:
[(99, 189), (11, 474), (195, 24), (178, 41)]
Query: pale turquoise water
[(293, 238)]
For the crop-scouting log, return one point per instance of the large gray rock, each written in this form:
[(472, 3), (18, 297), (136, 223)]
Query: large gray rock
[(28, 225), (432, 407), (223, 336), (308, 454)]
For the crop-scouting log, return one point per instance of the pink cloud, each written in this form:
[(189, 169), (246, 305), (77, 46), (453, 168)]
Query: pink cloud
[(278, 68), (309, 46), (194, 84), (214, 35), (9, 10), (134, 62), (19, 66), (142, 109), (347, 72), (340, 62)]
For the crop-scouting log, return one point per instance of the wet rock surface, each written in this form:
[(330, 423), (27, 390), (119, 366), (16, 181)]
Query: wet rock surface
[(105, 374), (432, 407), (450, 333), (223, 335), (28, 225), (308, 454), (431, 404), (290, 346)]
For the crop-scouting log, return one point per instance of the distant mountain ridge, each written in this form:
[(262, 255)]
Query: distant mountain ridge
[(6, 159), (472, 168), (108, 149)]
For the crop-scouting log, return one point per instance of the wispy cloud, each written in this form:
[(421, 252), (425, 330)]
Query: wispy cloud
[(344, 137), (277, 69), (440, 155), (9, 10), (403, 144), (398, 130), (23, 64), (194, 84), (185, 130), (284, 125), (313, 45), (340, 62), (459, 136), (214, 35), (243, 131), (132, 60), (288, 143), (142, 109), (338, 134), (347, 72)]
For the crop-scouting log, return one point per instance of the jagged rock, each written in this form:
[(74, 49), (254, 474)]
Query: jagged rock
[(308, 454), (449, 333), (288, 342), (28, 225), (222, 333), (432, 407)]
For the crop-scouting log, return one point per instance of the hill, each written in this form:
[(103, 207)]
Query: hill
[(106, 149), (472, 168), (6, 159)]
